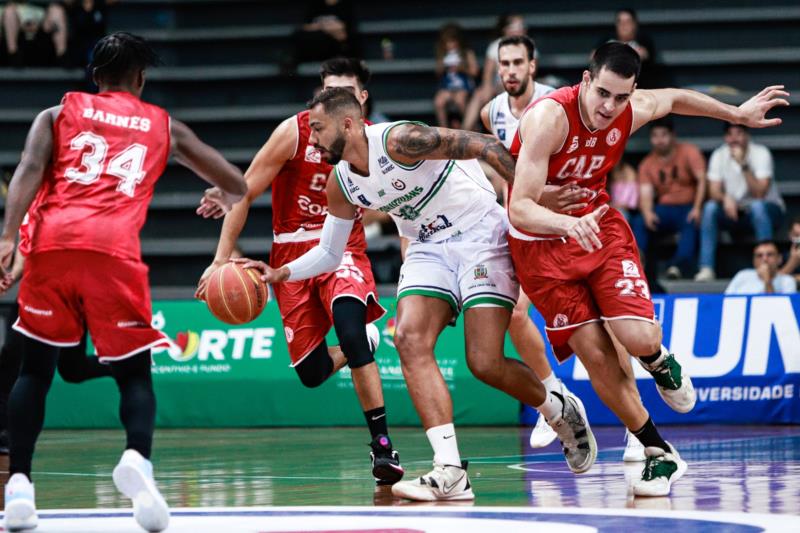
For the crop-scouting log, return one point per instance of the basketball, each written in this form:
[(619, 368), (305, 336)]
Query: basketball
[(236, 295)]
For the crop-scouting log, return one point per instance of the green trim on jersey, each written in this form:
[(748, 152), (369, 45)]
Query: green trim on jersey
[(342, 185), (436, 186), (495, 301), (386, 136), (430, 293)]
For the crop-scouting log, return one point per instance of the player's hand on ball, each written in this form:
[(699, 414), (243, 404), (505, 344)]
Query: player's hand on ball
[(202, 285), (753, 112), (215, 203), (268, 274), (586, 229)]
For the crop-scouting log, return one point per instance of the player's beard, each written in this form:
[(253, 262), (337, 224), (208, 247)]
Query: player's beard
[(336, 150), (521, 88)]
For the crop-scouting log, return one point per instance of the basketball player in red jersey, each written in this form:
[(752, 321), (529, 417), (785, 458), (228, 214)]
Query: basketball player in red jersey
[(98, 158), (346, 298), (581, 268)]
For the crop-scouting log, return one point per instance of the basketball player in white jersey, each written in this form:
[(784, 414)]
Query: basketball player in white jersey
[(500, 116), (429, 181)]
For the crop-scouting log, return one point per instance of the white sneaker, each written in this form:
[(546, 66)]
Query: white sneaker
[(673, 272), (374, 337), (572, 426), (705, 274), (542, 434), (661, 470), (133, 477), (443, 483), (634, 450), (673, 385), (20, 511)]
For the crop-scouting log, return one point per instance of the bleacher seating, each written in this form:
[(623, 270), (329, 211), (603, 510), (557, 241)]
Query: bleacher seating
[(222, 77)]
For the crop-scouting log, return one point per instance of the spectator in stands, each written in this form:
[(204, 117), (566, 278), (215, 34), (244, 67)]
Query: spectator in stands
[(456, 68), (792, 264), (626, 30), (764, 277), (88, 23), (507, 25), (672, 187), (34, 36), (743, 195), (329, 30), (624, 189)]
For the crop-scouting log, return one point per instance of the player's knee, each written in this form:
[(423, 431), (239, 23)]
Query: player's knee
[(647, 343), (411, 342), (316, 368), (482, 367), (311, 376), (356, 349)]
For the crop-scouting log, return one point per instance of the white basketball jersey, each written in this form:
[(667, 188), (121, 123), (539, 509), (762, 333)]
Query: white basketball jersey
[(502, 121), (429, 201)]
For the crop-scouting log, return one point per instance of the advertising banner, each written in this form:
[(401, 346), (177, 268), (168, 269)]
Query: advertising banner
[(742, 352)]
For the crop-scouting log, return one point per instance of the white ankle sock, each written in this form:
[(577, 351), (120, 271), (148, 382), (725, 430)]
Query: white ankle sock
[(551, 407), (551, 382), (445, 447)]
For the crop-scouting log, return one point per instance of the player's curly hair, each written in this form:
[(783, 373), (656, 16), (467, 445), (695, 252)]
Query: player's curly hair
[(118, 55)]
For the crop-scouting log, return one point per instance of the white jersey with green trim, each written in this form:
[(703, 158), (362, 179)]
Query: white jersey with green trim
[(502, 121), (429, 201)]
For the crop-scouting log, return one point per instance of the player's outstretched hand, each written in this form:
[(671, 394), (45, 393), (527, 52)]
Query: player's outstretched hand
[(268, 274), (586, 229), (215, 203), (202, 285), (565, 198), (755, 109)]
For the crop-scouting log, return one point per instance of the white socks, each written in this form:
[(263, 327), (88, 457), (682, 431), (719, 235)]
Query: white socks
[(445, 447), (551, 407), (551, 383)]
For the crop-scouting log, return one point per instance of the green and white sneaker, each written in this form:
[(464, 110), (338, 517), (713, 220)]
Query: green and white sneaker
[(661, 470), (674, 386)]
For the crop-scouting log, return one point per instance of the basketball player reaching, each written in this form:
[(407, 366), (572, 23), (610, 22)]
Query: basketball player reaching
[(346, 298), (517, 71), (430, 182), (98, 158), (583, 269)]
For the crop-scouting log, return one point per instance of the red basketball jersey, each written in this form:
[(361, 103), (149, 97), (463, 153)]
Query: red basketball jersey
[(298, 191), (587, 156), (108, 151), (29, 222)]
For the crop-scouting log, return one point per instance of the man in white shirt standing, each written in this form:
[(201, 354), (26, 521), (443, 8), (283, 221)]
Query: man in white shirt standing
[(764, 276), (743, 195)]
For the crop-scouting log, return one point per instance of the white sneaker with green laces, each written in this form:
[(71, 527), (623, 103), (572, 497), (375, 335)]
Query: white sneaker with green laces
[(20, 510), (443, 483), (661, 470), (673, 385)]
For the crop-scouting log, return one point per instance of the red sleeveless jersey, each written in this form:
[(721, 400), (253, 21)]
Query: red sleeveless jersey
[(108, 151), (587, 156), (298, 191)]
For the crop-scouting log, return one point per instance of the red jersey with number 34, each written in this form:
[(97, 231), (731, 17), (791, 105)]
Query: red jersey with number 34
[(108, 151), (587, 156)]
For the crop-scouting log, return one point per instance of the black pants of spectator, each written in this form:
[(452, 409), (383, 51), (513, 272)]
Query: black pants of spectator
[(73, 365)]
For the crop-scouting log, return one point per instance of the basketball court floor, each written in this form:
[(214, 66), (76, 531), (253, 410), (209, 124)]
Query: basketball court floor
[(740, 478)]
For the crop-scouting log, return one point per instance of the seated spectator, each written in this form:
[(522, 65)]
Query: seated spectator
[(456, 68), (742, 194), (672, 187), (623, 188), (88, 23), (34, 36), (328, 30), (764, 277), (507, 26), (627, 30), (792, 264)]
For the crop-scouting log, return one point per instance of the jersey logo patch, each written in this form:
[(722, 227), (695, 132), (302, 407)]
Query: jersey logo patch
[(481, 272), (574, 145), (501, 134), (398, 184), (364, 201), (289, 332), (613, 137), (630, 269), (383, 160), (560, 321), (313, 155)]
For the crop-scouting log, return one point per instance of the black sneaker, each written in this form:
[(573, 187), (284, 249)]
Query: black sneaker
[(4, 442), (386, 467)]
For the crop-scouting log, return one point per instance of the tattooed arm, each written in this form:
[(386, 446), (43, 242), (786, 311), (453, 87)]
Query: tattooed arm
[(409, 143)]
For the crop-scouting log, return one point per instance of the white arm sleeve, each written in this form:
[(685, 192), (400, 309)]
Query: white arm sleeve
[(325, 256)]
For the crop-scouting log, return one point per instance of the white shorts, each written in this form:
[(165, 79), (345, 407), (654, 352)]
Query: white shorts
[(470, 269)]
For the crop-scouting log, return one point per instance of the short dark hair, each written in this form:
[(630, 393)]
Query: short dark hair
[(335, 100), (767, 242), (663, 122), (617, 57), (629, 10), (345, 66), (726, 126), (118, 55), (795, 221), (514, 40)]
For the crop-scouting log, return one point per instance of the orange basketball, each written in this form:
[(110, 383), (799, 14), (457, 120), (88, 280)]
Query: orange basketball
[(236, 295)]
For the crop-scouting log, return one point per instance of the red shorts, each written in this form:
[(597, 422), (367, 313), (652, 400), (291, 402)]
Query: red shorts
[(64, 292), (306, 306), (571, 287)]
